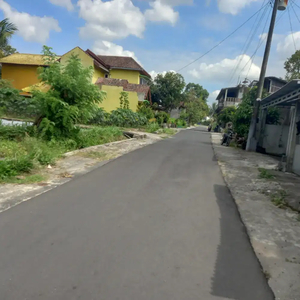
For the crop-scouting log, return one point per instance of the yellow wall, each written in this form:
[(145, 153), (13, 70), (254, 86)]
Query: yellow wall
[(97, 73), (86, 60), (131, 76), (21, 76), (112, 100)]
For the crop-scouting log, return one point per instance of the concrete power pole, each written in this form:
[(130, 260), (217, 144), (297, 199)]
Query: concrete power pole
[(252, 142)]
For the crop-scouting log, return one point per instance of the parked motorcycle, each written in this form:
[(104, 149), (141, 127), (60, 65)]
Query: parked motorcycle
[(227, 138)]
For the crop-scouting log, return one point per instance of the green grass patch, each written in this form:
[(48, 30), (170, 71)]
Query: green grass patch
[(169, 131), (152, 127), (278, 199), (265, 174), (26, 179), (21, 151)]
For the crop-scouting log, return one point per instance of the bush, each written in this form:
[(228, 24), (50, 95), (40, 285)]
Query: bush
[(12, 104), (126, 118), (15, 132), (145, 110), (181, 123), (152, 127), (162, 117), (98, 136), (101, 117), (13, 167)]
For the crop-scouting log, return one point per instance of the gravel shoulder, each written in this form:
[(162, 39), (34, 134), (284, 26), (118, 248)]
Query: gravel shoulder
[(274, 232)]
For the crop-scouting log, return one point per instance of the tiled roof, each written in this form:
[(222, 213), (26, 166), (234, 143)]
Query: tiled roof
[(24, 59), (122, 62), (97, 61), (128, 87)]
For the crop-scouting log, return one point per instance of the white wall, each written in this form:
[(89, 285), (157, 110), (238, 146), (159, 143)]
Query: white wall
[(296, 163), (275, 139)]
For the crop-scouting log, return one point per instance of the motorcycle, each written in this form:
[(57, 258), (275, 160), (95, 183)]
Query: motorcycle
[(227, 138), (209, 128)]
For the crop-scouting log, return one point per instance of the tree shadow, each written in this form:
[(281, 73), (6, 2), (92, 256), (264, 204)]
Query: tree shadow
[(238, 274)]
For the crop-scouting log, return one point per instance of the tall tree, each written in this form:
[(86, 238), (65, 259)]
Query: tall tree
[(198, 89), (167, 90), (292, 66), (7, 29), (196, 108), (213, 109)]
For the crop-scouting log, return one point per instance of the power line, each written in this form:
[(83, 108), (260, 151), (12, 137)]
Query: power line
[(260, 44), (292, 28), (292, 4), (249, 41), (217, 45), (295, 3)]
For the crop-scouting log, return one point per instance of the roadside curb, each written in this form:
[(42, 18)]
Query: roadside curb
[(274, 236)]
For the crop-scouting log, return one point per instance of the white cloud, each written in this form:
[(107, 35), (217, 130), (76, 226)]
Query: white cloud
[(108, 48), (64, 3), (286, 47), (110, 19), (31, 28), (177, 2), (161, 12), (154, 73), (233, 6), (220, 71), (212, 96)]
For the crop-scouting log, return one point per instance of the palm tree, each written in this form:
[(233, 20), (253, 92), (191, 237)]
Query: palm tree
[(7, 29)]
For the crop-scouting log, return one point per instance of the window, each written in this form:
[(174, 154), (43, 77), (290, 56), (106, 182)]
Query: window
[(106, 75)]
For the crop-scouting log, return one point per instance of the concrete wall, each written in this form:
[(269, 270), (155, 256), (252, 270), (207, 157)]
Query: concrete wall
[(112, 100), (21, 76), (131, 76), (275, 139), (296, 163)]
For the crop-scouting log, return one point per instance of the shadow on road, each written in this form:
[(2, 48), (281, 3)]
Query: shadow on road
[(236, 257)]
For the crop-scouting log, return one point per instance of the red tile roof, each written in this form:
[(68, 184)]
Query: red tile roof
[(127, 87), (122, 62)]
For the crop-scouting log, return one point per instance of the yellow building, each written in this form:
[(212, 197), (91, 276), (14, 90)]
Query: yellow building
[(113, 75)]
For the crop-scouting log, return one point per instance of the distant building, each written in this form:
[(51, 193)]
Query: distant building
[(232, 96)]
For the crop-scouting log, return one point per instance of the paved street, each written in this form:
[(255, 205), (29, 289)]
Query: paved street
[(155, 224)]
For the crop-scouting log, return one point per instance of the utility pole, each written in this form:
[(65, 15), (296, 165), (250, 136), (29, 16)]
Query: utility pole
[(252, 142)]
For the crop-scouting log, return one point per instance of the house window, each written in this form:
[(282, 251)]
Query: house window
[(106, 75)]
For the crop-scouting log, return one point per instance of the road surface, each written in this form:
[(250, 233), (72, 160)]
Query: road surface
[(155, 224)]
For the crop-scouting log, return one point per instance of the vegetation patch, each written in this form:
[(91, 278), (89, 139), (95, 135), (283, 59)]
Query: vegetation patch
[(278, 199), (265, 174)]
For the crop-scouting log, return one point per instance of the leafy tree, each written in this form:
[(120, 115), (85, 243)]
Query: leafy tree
[(7, 29), (167, 90), (7, 50), (72, 96), (292, 66), (243, 115), (200, 92), (196, 108), (227, 115)]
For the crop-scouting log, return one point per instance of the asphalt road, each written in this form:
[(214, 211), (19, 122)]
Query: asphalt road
[(155, 224)]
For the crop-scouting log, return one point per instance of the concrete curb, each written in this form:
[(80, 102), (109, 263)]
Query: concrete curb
[(274, 235)]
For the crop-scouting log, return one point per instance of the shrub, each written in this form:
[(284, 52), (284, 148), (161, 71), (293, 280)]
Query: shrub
[(15, 132), (124, 102), (152, 127), (126, 118), (101, 117), (146, 110), (13, 167), (162, 117), (98, 136)]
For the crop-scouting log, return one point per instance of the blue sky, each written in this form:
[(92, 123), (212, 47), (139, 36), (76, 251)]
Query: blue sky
[(162, 35)]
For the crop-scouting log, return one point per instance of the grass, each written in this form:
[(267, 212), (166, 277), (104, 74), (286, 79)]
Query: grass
[(21, 153), (278, 199), (152, 127), (265, 174), (35, 178), (168, 131)]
